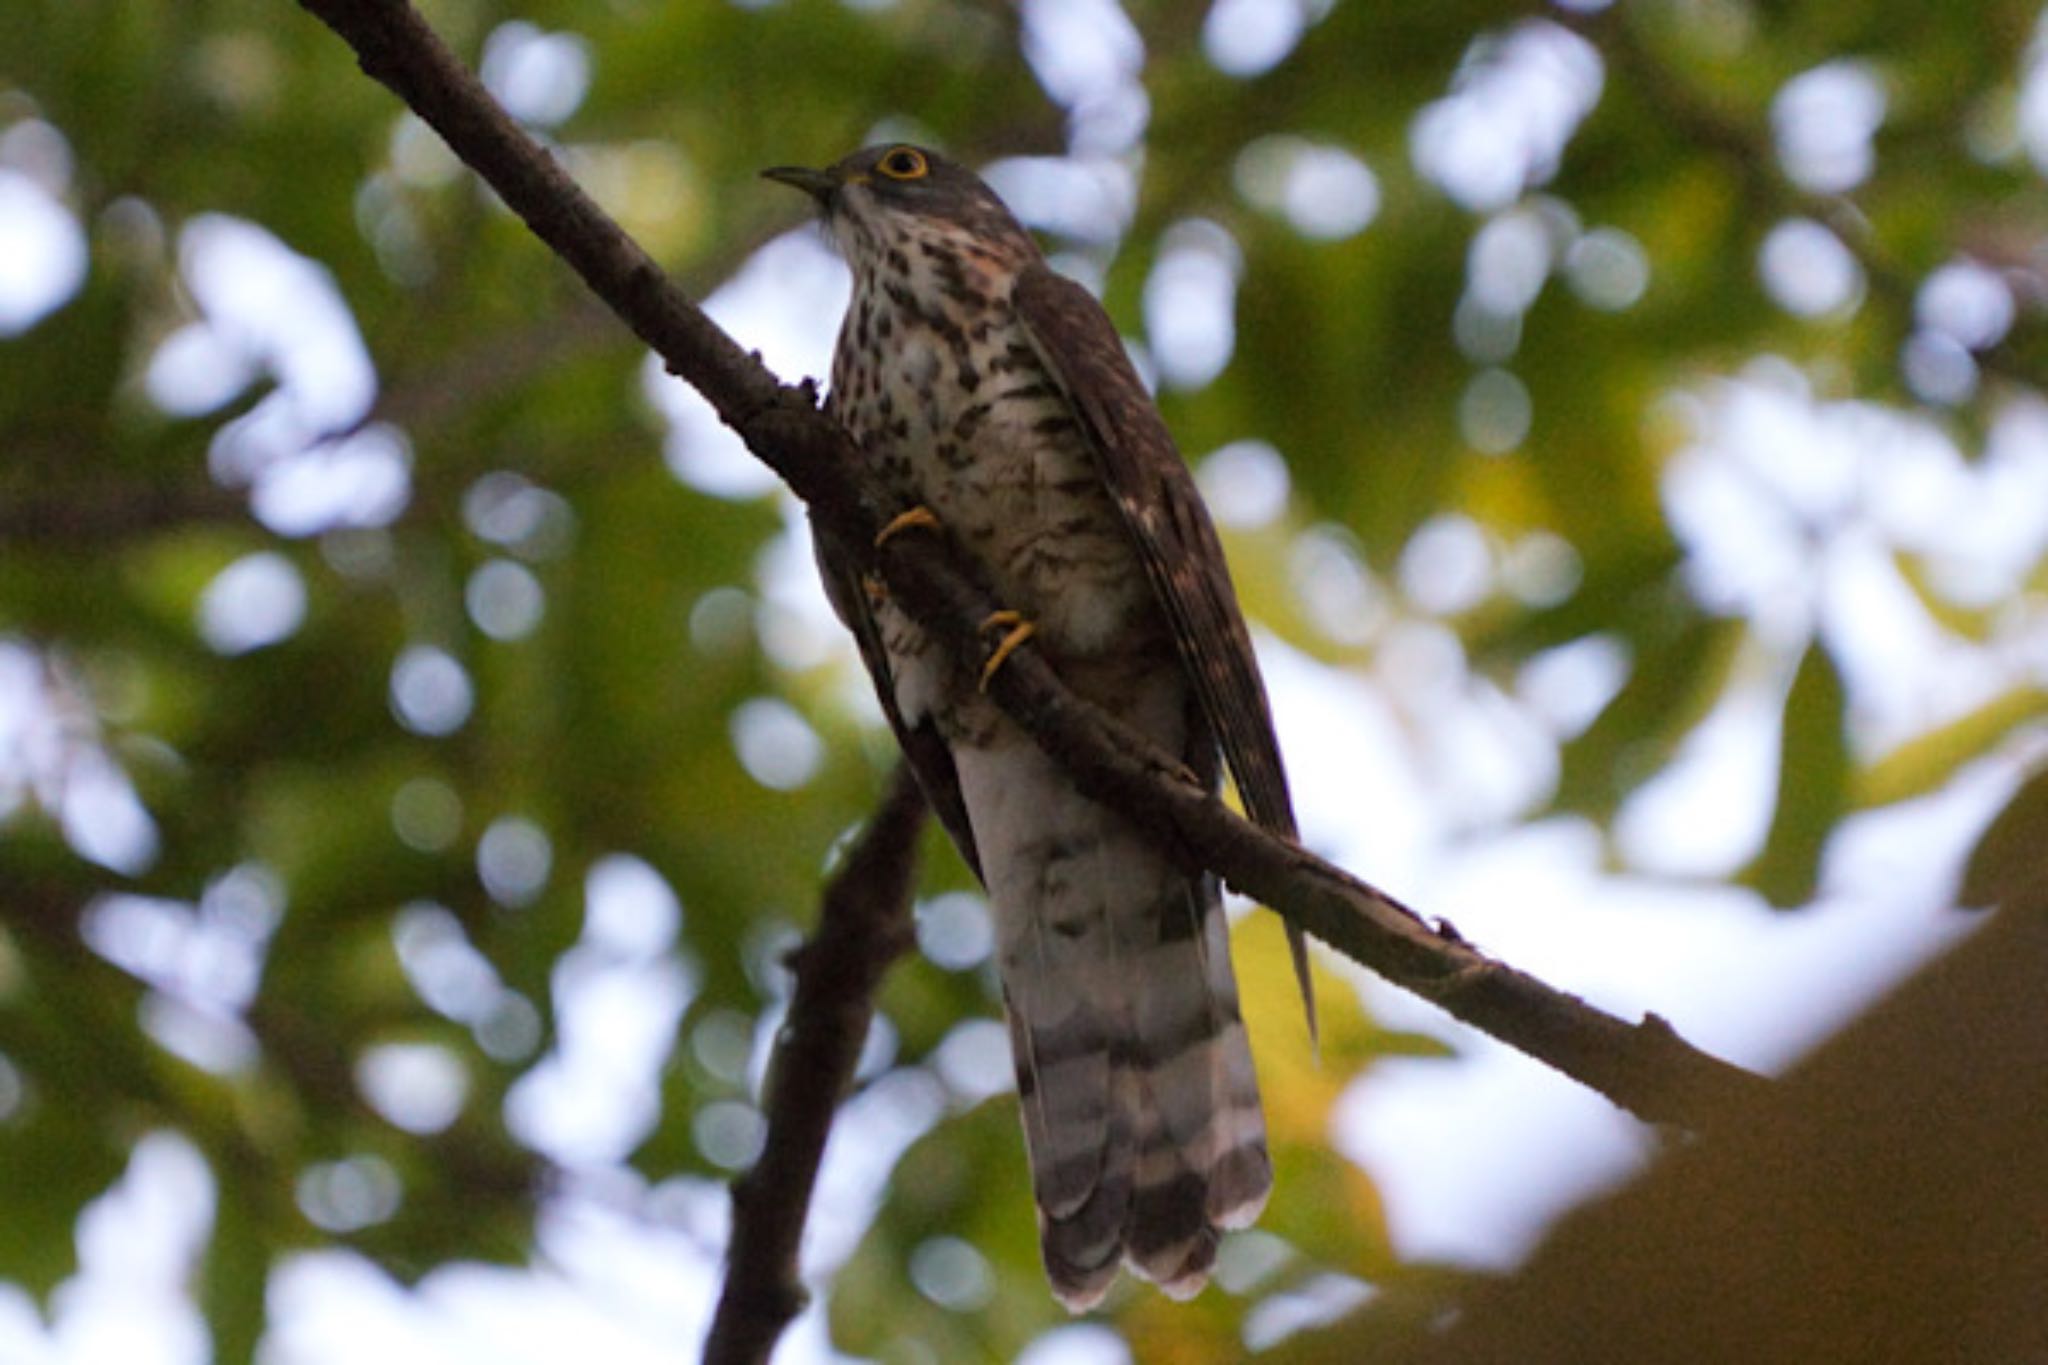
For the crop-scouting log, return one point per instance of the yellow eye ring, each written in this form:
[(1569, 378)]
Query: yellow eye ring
[(904, 163)]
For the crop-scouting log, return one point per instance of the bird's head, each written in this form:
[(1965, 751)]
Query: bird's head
[(895, 197)]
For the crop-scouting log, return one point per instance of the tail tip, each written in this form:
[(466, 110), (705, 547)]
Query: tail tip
[(1239, 1186), (1185, 1287), (1077, 1291)]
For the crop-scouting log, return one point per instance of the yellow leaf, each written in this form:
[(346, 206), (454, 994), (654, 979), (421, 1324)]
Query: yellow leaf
[(1298, 1081)]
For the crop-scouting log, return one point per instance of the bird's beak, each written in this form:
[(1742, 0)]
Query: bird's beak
[(820, 185)]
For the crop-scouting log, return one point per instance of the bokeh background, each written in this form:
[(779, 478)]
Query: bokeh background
[(421, 736)]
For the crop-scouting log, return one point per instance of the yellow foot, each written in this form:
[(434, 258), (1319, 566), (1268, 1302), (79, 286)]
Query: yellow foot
[(919, 515), (1016, 631)]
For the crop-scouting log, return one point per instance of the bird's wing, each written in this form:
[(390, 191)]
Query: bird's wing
[(1163, 512), (922, 745)]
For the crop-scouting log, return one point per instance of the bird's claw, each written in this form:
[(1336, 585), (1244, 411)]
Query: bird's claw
[(918, 516), (1016, 631)]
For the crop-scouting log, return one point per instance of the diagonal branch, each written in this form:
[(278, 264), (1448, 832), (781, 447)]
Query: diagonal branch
[(863, 927), (1643, 1067)]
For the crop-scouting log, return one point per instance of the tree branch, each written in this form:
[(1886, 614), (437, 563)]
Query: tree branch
[(863, 927), (1747, 148), (96, 514), (1645, 1067)]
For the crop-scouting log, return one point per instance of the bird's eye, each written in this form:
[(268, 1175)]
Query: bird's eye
[(904, 163)]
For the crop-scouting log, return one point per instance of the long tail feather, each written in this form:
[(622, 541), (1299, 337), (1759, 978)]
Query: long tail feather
[(1134, 1075)]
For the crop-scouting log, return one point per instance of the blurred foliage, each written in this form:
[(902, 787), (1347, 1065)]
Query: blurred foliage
[(305, 822)]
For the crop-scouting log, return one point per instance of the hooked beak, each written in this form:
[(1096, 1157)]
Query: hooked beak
[(820, 185)]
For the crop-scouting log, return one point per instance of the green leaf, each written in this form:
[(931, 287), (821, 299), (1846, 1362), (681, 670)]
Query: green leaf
[(1813, 782), (1922, 764), (1681, 662), (233, 1279), (54, 1159)]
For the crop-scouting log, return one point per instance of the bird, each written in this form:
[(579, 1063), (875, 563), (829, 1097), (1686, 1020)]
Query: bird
[(996, 400)]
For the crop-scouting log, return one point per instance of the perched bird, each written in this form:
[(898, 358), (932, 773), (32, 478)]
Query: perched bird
[(995, 397)]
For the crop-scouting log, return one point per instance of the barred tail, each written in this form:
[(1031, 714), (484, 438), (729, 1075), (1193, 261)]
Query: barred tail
[(1134, 1074)]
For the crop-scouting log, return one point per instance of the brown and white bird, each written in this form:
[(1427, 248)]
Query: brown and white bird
[(996, 397)]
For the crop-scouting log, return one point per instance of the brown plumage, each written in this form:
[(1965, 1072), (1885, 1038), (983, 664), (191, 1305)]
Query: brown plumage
[(997, 393)]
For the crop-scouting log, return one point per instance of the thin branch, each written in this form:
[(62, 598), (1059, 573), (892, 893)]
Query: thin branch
[(490, 366), (48, 916), (1645, 1067), (99, 513), (863, 927), (1746, 147)]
